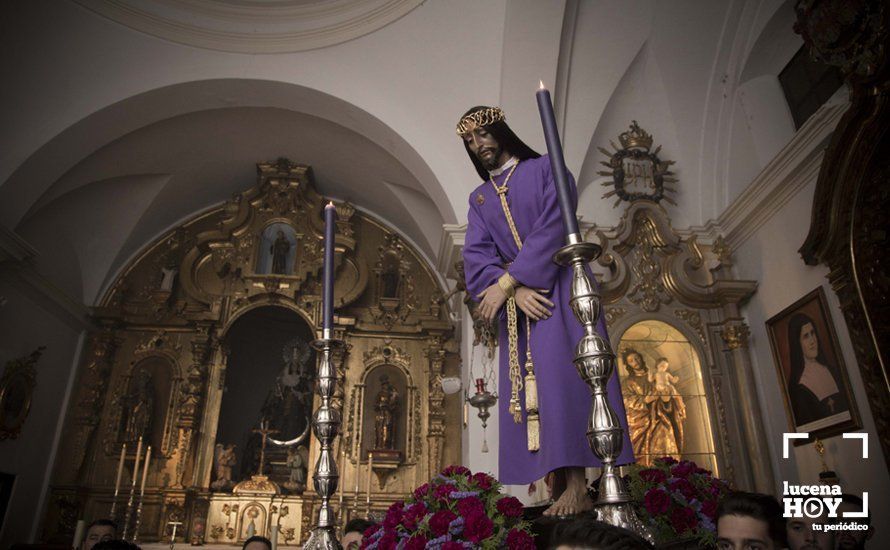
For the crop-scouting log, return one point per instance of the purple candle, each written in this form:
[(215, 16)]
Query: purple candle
[(557, 162), (330, 214)]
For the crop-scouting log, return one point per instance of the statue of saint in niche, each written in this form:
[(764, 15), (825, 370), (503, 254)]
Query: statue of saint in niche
[(280, 249), (225, 459), (656, 412), (386, 407), (139, 407), (297, 464)]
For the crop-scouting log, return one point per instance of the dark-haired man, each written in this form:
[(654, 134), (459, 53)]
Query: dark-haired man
[(354, 533), (99, 531), (257, 542), (585, 533), (750, 521), (514, 227), (850, 539)]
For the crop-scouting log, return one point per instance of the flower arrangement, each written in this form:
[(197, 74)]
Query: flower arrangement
[(678, 499), (457, 509)]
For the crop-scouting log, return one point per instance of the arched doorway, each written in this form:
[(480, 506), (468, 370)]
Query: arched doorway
[(269, 377)]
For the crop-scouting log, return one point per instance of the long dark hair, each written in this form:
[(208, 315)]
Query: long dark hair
[(505, 137), (795, 326)]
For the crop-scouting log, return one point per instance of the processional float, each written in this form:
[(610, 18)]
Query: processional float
[(594, 360)]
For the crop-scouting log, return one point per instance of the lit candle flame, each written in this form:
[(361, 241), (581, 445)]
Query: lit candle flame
[(542, 85), (330, 204)]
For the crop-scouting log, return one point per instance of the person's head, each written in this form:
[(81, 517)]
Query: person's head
[(257, 542), (848, 539), (115, 544), (354, 532), (280, 234), (663, 364), (636, 365), (585, 533), (803, 341), (489, 141), (750, 521), (99, 531), (803, 536)]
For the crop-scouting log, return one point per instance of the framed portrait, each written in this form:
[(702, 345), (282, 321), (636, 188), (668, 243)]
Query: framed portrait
[(815, 384)]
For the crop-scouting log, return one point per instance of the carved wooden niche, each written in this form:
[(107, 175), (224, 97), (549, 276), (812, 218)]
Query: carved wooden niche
[(143, 405), (385, 412)]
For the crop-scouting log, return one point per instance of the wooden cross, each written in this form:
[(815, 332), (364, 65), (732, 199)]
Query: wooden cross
[(265, 432)]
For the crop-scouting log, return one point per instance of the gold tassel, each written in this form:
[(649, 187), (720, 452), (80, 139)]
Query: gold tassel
[(531, 406), (534, 431)]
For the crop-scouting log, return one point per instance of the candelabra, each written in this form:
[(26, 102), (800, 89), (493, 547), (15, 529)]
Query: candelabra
[(325, 425), (595, 363)]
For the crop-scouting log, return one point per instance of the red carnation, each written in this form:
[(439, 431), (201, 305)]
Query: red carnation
[(417, 542), (684, 469), (442, 492), (478, 527), (467, 506), (455, 470), (510, 507), (656, 501), (709, 509), (388, 541), (421, 491), (483, 480), (440, 520), (520, 540), (683, 487), (653, 475), (683, 519), (450, 545), (393, 515)]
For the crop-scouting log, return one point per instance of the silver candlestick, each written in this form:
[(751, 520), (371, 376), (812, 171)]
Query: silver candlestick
[(326, 425), (595, 363)]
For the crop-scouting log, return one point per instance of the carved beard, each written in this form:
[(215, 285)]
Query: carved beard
[(490, 162)]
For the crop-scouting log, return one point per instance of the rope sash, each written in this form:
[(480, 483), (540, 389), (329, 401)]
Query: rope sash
[(533, 428)]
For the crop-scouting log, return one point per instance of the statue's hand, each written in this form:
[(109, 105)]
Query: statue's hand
[(533, 303), (492, 298)]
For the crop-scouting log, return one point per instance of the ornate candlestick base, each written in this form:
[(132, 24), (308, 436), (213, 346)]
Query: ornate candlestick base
[(595, 362), (326, 426)]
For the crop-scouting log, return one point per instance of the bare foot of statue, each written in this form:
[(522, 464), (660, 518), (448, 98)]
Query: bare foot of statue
[(574, 500)]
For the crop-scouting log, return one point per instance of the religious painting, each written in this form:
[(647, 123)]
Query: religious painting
[(664, 396), (815, 384), (144, 406), (278, 250), (16, 388)]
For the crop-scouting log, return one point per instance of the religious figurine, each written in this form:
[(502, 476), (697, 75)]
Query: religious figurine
[(140, 407), (386, 407), (297, 463), (655, 411), (289, 403), (280, 249), (390, 277), (168, 277), (225, 459), (514, 227)]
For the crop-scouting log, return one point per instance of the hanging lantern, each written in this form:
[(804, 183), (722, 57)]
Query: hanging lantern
[(483, 400)]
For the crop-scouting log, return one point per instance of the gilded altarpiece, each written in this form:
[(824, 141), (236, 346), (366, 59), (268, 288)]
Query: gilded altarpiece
[(672, 305), (157, 363)]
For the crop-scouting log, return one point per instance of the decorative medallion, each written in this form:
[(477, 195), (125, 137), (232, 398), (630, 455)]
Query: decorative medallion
[(637, 173), (480, 200)]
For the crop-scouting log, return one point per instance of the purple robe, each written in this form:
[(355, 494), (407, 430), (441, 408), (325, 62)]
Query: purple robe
[(564, 399)]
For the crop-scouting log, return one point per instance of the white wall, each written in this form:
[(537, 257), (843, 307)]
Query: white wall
[(770, 257), (25, 326)]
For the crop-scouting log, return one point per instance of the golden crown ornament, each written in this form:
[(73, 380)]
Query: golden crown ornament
[(635, 172), (482, 117), (635, 138)]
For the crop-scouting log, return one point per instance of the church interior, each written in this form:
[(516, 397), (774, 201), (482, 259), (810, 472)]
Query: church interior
[(164, 171)]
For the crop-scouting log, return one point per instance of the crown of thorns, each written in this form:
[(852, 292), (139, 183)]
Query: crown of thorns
[(482, 117)]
